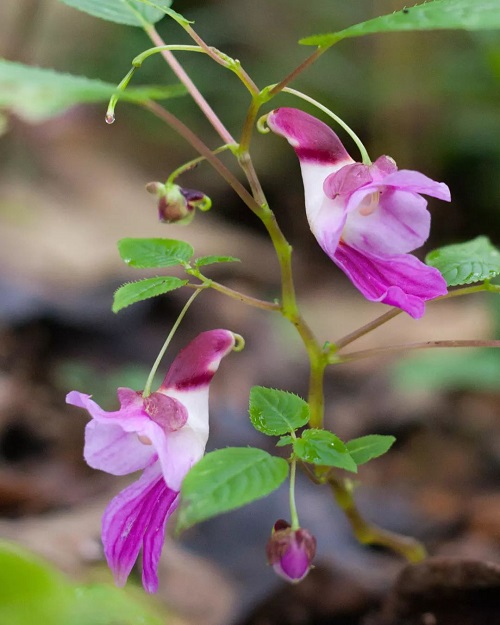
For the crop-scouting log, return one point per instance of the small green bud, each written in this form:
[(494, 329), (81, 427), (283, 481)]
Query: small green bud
[(176, 204)]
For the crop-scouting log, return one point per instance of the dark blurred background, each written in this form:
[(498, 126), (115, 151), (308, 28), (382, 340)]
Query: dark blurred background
[(71, 187)]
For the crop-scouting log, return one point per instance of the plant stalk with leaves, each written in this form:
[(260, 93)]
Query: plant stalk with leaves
[(367, 217)]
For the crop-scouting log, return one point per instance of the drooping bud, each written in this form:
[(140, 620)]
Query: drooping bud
[(290, 552), (176, 204)]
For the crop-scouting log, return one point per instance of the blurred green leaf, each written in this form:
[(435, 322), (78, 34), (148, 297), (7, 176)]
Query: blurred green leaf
[(141, 290), (164, 5), (129, 12), (36, 94), (436, 15), (466, 263), (473, 369), (149, 253), (324, 448), (104, 604), (28, 587), (203, 261), (274, 412), (33, 592), (366, 448), (227, 479)]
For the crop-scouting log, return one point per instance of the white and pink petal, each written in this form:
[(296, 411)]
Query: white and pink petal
[(398, 223), (131, 416), (108, 447)]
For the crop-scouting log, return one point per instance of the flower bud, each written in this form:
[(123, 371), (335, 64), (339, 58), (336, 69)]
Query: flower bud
[(176, 204), (290, 552)]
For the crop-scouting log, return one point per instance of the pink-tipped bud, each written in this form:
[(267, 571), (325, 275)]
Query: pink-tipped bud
[(290, 552), (176, 204)]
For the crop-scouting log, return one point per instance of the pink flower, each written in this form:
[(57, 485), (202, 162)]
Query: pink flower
[(367, 218), (163, 434), (290, 552)]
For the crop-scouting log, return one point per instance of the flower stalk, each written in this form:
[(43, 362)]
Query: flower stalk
[(368, 533)]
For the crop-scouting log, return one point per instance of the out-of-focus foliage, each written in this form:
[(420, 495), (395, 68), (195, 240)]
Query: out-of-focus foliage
[(36, 94), (31, 591), (472, 370), (433, 15), (130, 12)]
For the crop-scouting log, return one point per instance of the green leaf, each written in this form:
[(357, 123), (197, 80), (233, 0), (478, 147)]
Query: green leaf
[(129, 12), (133, 292), (29, 586), (212, 260), (465, 263), (274, 412), (284, 441), (324, 448), (163, 6), (147, 253), (436, 15), (104, 604), (365, 448), (36, 94), (227, 479)]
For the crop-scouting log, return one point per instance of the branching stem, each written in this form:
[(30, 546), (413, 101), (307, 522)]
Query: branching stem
[(369, 534)]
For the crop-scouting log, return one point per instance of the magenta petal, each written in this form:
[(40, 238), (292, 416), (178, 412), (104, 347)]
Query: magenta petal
[(294, 564), (109, 448), (402, 281), (197, 363), (136, 518), (347, 179), (312, 140), (154, 537)]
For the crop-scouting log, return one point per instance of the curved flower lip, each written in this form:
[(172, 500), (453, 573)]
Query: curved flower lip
[(164, 434), (197, 363), (367, 218), (312, 140)]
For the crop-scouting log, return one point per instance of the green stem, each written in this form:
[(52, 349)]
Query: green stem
[(290, 310), (140, 58), (193, 163), (110, 113), (369, 534), (236, 295), (154, 369), (223, 59), (294, 517)]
